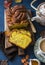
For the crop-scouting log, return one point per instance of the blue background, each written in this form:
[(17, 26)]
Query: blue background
[(39, 28)]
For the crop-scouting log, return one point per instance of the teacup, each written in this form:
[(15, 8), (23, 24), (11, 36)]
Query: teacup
[(41, 47)]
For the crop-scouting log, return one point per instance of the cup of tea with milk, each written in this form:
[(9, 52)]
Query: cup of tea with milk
[(41, 47)]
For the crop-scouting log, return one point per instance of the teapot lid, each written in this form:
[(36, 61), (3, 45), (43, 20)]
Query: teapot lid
[(42, 8)]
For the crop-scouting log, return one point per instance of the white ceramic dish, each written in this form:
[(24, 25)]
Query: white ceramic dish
[(36, 50), (34, 60)]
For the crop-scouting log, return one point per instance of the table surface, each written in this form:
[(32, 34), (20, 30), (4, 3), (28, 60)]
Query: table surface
[(39, 28)]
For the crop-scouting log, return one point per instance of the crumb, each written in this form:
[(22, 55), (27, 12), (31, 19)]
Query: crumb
[(27, 57), (23, 60)]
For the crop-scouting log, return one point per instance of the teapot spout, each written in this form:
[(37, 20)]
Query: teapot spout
[(34, 18)]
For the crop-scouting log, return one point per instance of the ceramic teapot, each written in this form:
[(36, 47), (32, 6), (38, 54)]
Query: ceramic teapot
[(40, 13)]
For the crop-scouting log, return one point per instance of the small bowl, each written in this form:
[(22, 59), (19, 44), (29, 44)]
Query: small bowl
[(30, 63)]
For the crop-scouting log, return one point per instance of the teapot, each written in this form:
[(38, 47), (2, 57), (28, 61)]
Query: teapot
[(40, 13)]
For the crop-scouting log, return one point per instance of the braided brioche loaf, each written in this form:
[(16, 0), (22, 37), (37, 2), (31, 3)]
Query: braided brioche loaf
[(16, 17)]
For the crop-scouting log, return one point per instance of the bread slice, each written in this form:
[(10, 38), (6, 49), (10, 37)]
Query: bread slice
[(20, 39)]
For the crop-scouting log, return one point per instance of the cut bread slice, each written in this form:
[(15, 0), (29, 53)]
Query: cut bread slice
[(20, 39)]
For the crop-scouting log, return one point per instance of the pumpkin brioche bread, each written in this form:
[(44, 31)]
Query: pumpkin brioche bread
[(21, 38), (17, 17)]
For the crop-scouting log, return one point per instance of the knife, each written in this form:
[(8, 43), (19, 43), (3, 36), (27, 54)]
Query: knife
[(31, 24)]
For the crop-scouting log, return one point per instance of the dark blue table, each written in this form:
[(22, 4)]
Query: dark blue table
[(17, 60)]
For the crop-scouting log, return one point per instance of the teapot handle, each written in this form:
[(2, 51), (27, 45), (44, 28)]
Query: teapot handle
[(32, 4)]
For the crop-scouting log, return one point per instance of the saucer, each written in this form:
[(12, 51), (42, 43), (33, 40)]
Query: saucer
[(36, 49)]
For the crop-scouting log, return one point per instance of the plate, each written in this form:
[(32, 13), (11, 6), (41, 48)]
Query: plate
[(36, 49), (7, 29)]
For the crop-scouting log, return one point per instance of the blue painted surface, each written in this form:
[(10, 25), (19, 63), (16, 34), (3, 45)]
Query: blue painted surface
[(17, 60)]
